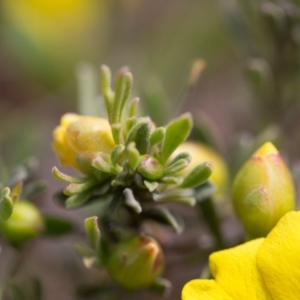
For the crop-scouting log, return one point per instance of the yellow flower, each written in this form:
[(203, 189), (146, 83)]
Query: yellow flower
[(201, 153), (263, 191), (262, 269), (78, 134)]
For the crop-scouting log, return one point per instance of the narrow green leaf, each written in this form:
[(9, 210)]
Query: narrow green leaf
[(66, 178), (140, 134), (78, 199), (165, 217), (116, 153), (176, 166), (116, 130), (157, 136), (182, 155), (133, 156), (56, 226), (77, 188), (185, 196), (198, 175), (107, 93), (142, 138), (176, 133), (133, 108), (6, 204), (100, 163), (122, 91), (171, 179), (93, 232)]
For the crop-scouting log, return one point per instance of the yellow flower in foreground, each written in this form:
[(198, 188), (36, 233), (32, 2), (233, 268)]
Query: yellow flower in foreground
[(201, 153), (78, 134), (262, 269)]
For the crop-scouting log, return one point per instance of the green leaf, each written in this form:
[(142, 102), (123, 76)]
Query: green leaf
[(122, 91), (6, 204), (116, 130), (66, 178), (165, 217), (107, 93), (101, 164), (57, 226), (77, 188), (176, 133), (185, 196), (171, 180), (78, 199), (133, 108), (142, 138), (93, 232), (116, 153), (177, 166), (157, 136), (140, 134), (133, 156), (198, 175)]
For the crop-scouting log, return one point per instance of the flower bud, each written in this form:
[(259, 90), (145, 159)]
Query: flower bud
[(201, 153), (263, 191), (25, 223), (77, 134), (150, 168), (136, 263)]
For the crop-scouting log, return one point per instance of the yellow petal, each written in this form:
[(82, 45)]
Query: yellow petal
[(236, 272), (278, 259), (90, 134), (66, 154), (204, 290)]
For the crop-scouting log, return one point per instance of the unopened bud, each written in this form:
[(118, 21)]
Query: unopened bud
[(150, 168), (77, 134), (136, 263), (25, 223), (263, 191)]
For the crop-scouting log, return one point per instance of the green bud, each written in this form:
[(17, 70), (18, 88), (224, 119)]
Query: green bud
[(150, 168), (25, 223), (263, 191), (136, 263)]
